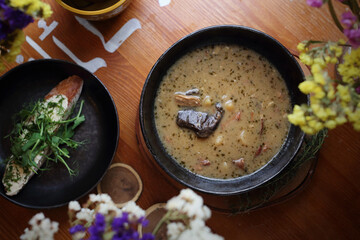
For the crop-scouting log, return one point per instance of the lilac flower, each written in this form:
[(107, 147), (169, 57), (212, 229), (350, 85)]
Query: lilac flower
[(125, 229), (143, 221), (348, 19), (352, 31), (98, 228), (12, 19), (314, 3), (77, 228), (119, 222), (357, 90), (354, 36), (148, 236)]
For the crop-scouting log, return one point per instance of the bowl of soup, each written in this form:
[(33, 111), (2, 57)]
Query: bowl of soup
[(213, 110)]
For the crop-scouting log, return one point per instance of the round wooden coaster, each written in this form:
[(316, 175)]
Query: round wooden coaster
[(154, 215), (122, 183)]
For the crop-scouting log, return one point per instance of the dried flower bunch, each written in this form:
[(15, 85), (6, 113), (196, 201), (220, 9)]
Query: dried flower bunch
[(100, 218), (332, 101), (14, 16)]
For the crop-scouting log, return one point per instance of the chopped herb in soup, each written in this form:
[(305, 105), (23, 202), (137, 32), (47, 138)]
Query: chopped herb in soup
[(220, 111)]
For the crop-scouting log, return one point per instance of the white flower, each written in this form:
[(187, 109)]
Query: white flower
[(189, 203), (105, 198), (105, 208), (78, 236), (85, 214), (135, 212), (198, 231), (41, 228), (74, 205), (174, 229)]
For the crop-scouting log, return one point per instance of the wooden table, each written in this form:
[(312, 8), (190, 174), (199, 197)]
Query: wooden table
[(328, 208)]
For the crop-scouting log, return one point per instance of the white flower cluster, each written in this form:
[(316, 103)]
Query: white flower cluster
[(192, 205), (189, 203), (135, 212), (41, 228), (197, 231)]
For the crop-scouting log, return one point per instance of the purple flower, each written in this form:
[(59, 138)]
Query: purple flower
[(77, 228), (4, 30), (354, 36), (17, 18), (357, 90), (314, 3), (148, 236), (98, 228), (125, 229), (12, 19), (348, 19), (119, 222)]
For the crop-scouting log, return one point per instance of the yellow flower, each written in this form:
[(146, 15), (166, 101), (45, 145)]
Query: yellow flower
[(47, 12), (316, 125), (301, 47), (307, 86), (319, 78), (341, 41), (331, 92), (308, 130), (35, 8), (316, 68), (349, 69), (357, 126), (331, 124), (319, 93), (330, 112), (340, 120), (320, 61), (297, 117), (344, 93), (319, 111), (306, 59), (337, 50), (16, 39), (354, 116)]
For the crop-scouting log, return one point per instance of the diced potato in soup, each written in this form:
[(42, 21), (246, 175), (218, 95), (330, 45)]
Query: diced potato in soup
[(254, 98)]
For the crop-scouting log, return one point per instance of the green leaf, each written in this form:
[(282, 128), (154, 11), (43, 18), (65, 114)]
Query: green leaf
[(78, 121), (34, 132), (35, 137)]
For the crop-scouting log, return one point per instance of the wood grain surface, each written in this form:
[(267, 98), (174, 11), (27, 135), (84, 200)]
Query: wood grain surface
[(328, 208)]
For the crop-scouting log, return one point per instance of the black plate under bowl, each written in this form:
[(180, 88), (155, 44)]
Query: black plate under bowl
[(55, 187), (253, 39)]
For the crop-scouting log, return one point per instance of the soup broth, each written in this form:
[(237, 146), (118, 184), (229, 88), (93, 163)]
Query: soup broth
[(255, 103)]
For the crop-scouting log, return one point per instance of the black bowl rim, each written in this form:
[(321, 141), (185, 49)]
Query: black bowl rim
[(60, 61), (213, 180)]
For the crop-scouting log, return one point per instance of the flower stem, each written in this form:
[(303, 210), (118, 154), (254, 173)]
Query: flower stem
[(354, 7), (333, 15), (160, 223)]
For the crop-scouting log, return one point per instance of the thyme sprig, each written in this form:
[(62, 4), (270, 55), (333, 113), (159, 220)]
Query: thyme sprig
[(36, 133)]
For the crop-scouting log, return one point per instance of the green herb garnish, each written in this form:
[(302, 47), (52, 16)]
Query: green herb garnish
[(36, 133)]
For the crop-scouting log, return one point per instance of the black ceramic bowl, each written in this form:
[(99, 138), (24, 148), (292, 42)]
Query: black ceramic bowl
[(30, 82), (244, 36)]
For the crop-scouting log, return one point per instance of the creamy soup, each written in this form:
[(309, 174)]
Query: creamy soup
[(238, 88)]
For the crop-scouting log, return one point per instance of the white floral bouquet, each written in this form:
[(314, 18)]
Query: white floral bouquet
[(99, 218)]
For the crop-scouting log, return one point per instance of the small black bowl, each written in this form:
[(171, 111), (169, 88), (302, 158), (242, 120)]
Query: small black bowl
[(258, 41)]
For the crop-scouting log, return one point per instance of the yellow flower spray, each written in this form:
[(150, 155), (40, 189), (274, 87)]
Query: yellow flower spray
[(332, 101)]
